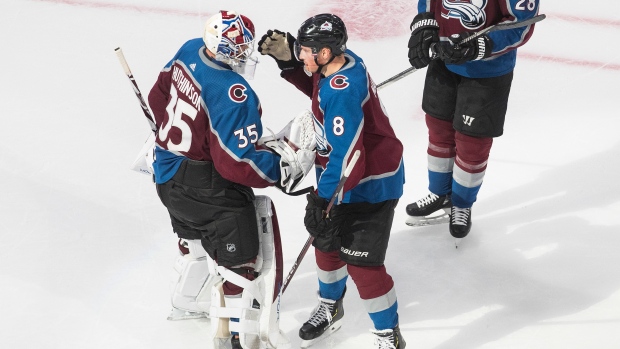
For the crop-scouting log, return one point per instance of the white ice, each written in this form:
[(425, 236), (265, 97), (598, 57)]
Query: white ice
[(87, 249)]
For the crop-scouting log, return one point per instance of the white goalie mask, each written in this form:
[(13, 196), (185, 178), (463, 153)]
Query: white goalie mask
[(230, 37)]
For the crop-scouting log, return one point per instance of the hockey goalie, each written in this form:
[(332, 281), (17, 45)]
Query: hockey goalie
[(242, 300), (249, 319)]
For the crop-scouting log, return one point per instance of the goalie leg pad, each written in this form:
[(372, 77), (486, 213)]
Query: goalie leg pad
[(191, 296), (258, 308)]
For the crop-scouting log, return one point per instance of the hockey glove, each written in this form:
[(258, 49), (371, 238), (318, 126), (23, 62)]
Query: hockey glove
[(296, 145), (424, 32), (315, 220), (459, 51), (279, 45)]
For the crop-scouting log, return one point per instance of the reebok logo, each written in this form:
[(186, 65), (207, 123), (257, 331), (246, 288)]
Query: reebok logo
[(467, 120)]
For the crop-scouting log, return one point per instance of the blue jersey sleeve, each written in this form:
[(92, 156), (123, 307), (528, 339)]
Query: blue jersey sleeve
[(236, 127), (343, 122), (515, 10)]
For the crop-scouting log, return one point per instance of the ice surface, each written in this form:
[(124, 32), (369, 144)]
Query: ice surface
[(86, 246)]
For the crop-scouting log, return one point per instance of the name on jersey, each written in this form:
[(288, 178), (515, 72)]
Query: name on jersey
[(185, 86)]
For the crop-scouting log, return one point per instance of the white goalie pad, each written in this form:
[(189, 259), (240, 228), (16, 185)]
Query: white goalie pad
[(194, 279), (144, 161), (258, 307), (296, 145)]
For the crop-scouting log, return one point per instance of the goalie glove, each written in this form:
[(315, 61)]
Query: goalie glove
[(296, 145)]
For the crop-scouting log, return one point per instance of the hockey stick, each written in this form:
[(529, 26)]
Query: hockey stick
[(145, 108), (499, 26), (505, 26), (343, 179)]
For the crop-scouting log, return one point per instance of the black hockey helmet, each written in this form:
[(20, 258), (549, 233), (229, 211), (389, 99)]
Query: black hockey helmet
[(324, 30)]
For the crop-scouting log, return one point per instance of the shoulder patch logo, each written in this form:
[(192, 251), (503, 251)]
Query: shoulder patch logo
[(236, 92), (339, 82)]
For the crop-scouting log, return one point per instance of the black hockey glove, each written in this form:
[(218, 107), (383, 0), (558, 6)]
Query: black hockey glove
[(456, 51), (424, 32), (279, 45), (315, 221)]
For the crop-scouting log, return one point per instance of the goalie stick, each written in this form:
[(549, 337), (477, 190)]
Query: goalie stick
[(343, 179), (145, 108), (499, 26)]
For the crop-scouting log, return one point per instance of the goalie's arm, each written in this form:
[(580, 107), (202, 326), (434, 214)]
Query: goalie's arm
[(235, 131)]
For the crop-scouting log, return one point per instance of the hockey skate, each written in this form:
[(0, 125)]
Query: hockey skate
[(389, 339), (460, 222), (430, 210), (235, 342), (324, 321)]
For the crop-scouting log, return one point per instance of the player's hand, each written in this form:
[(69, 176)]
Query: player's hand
[(315, 221), (424, 32), (279, 45), (457, 51)]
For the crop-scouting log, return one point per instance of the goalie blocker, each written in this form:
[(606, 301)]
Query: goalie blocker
[(255, 313)]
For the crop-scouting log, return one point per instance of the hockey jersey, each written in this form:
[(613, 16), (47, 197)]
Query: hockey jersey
[(204, 111), (457, 16), (349, 116)]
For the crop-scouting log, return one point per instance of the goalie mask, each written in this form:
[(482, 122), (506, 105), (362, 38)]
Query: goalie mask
[(230, 37)]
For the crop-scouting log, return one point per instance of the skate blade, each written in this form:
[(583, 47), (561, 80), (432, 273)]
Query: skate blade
[(440, 217), (333, 328), (177, 314)]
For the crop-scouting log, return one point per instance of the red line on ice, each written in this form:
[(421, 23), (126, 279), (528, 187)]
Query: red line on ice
[(571, 61), (103, 5), (368, 23)]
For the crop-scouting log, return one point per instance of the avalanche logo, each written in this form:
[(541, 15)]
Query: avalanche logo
[(326, 26), (236, 92), (339, 82), (469, 12)]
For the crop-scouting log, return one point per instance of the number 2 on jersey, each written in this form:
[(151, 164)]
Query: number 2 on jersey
[(531, 5)]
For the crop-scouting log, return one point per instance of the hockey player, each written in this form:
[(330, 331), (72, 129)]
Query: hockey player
[(207, 161), (348, 116), (465, 98)]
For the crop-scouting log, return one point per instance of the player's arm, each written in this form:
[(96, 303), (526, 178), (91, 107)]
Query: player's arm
[(299, 79), (235, 130), (514, 10), (280, 46), (160, 95), (343, 122)]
